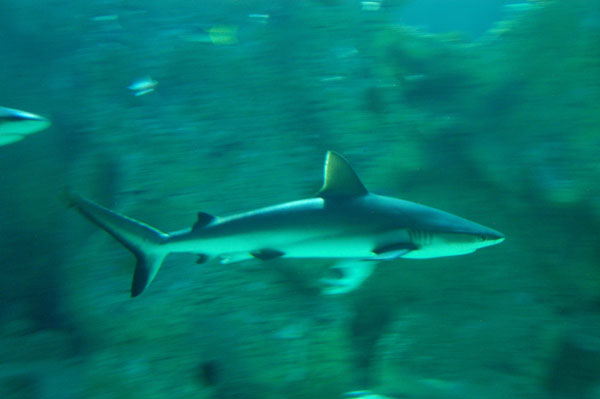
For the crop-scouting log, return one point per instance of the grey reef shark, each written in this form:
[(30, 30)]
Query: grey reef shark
[(343, 221)]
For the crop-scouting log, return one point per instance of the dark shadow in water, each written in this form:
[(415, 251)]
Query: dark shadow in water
[(372, 317), (574, 372)]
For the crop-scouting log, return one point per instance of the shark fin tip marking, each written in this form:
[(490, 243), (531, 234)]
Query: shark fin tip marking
[(145, 270), (202, 258), (340, 180), (267, 254), (140, 280)]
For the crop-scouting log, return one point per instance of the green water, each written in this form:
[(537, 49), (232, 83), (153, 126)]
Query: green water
[(488, 110)]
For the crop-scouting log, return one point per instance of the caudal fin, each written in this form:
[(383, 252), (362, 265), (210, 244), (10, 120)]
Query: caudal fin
[(142, 240)]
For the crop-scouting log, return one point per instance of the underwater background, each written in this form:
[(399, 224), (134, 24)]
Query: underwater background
[(489, 109)]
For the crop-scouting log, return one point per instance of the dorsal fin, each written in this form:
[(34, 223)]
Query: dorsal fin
[(339, 179), (203, 220)]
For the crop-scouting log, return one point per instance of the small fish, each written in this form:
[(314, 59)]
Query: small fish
[(105, 18), (336, 78), (260, 18), (223, 35), (518, 8), (142, 92), (364, 395), (218, 35), (370, 5), (143, 86), (15, 125)]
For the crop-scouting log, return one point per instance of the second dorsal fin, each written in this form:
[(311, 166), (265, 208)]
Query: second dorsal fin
[(203, 220), (339, 179)]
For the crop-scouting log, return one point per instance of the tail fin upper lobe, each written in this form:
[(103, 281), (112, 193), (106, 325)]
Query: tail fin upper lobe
[(143, 241)]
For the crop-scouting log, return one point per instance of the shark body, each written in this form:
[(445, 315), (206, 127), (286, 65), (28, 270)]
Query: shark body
[(15, 125), (344, 220)]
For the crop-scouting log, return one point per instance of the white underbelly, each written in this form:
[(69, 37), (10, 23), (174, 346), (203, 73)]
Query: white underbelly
[(346, 248), (292, 245)]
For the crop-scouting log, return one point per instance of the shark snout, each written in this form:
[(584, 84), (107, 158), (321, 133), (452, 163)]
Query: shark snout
[(481, 236), (493, 235), (490, 237)]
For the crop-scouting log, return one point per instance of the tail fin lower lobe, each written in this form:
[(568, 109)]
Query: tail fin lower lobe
[(142, 240)]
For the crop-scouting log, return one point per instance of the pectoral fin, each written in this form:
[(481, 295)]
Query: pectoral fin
[(393, 251)]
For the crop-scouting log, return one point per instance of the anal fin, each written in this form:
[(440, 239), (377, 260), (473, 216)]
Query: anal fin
[(352, 273)]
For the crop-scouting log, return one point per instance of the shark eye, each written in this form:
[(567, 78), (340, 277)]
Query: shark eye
[(482, 238)]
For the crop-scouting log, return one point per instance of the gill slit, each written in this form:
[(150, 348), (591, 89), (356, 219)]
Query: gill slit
[(420, 237)]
